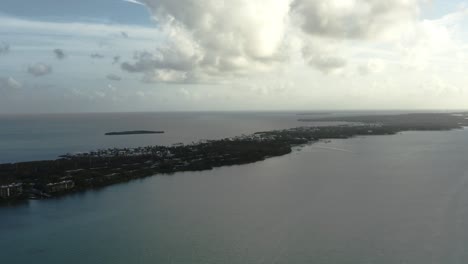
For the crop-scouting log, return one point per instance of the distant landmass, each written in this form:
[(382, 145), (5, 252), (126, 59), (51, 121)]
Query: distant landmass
[(78, 172), (133, 132), (314, 114)]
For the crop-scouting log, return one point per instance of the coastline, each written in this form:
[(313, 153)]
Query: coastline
[(75, 173)]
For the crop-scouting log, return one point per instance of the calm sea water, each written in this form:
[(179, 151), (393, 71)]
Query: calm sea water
[(379, 199), (47, 136), (36, 137)]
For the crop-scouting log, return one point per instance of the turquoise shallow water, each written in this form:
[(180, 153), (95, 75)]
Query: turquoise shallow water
[(382, 199)]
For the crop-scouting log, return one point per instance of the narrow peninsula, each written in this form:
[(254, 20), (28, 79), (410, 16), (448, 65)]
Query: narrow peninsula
[(78, 172)]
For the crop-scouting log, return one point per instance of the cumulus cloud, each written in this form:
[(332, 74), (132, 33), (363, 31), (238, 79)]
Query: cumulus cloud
[(59, 54), (168, 65), (113, 77), (39, 69), (354, 19), (9, 83), (4, 48), (207, 39)]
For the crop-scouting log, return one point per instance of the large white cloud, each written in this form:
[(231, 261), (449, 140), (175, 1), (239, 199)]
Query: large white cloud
[(207, 39), (253, 29)]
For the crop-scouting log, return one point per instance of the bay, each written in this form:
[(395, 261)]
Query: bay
[(378, 199)]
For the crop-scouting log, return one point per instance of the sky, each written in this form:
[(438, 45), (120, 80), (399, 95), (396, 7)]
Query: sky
[(59, 56)]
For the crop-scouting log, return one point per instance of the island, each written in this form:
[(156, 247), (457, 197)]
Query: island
[(79, 172), (133, 132)]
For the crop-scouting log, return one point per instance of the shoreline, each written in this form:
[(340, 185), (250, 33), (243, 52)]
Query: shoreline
[(80, 172)]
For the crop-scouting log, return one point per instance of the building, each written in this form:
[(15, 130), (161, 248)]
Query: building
[(11, 191), (60, 186)]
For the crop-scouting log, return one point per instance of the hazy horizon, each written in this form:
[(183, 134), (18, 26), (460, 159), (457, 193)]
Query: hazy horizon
[(297, 111)]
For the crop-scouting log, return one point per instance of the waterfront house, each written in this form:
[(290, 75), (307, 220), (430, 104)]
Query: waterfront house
[(11, 191)]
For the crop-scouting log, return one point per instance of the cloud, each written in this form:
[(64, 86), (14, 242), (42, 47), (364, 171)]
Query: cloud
[(4, 48), (164, 75), (166, 59), (10, 24), (372, 66), (234, 43), (433, 41), (354, 19), (111, 87), (207, 40), (435, 86), (96, 56), (327, 64), (115, 59), (59, 54), (39, 69), (113, 77), (323, 56), (133, 2), (9, 83)]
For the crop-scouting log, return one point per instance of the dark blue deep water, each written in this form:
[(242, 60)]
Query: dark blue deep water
[(378, 199)]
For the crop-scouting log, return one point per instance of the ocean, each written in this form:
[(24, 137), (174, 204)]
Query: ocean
[(375, 199), (47, 136)]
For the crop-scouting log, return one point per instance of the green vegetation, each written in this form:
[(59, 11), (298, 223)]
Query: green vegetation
[(71, 173)]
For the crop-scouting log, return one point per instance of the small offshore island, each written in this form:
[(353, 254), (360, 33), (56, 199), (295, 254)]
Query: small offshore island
[(133, 132), (78, 172)]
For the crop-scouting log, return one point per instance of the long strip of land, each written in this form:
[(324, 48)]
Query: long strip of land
[(78, 172)]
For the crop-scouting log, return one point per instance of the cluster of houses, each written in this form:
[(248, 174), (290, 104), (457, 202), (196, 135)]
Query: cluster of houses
[(17, 190), (124, 152), (158, 151), (11, 190), (62, 186)]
